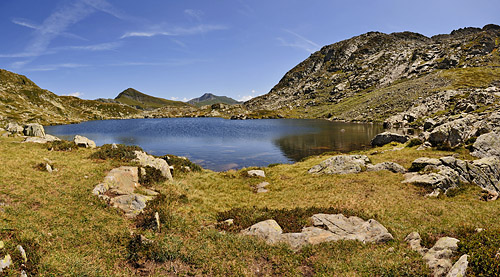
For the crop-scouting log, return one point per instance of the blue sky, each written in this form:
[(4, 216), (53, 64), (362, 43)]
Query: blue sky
[(180, 49)]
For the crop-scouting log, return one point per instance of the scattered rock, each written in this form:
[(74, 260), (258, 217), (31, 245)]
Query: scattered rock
[(23, 274), (48, 167), (14, 128), (342, 164), (424, 146), (438, 258), (261, 188), (390, 166), (487, 145), (22, 252), (459, 269), (44, 139), (157, 219), (121, 188), (82, 141), (256, 173), (34, 130), (326, 227), (228, 222), (5, 262), (147, 160), (114, 146), (387, 137)]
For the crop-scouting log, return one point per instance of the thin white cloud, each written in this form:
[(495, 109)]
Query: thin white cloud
[(300, 42), (58, 22), (96, 47), (75, 94), (245, 98), (177, 31), (28, 24), (174, 98), (195, 14), (51, 67)]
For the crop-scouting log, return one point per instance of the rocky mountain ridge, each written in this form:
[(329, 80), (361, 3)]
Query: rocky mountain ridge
[(374, 75)]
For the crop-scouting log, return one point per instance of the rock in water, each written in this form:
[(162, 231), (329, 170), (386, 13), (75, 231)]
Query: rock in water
[(342, 164), (487, 145), (34, 130), (387, 137), (82, 141), (147, 160)]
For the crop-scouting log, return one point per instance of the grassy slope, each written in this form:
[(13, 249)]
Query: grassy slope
[(73, 233)]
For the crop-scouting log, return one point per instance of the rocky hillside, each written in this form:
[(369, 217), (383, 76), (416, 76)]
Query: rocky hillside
[(143, 101), (210, 99), (21, 100), (375, 75)]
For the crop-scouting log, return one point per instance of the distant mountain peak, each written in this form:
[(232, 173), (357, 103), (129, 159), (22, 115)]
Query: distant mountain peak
[(143, 101), (210, 98)]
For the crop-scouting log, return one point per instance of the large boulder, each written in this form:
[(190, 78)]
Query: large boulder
[(256, 173), (14, 128), (122, 190), (342, 164), (459, 269), (438, 258), (82, 141), (387, 137), (44, 139), (34, 130), (326, 227), (390, 166), (147, 160), (487, 145), (454, 132)]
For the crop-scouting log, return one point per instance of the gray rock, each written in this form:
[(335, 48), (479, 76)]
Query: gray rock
[(256, 173), (269, 230), (342, 164), (122, 190), (5, 262), (22, 252), (82, 141), (261, 187), (44, 139), (438, 258), (23, 274), (424, 146), (459, 269), (421, 163), (387, 137), (114, 146), (414, 241), (390, 166), (147, 160), (487, 145), (454, 132), (14, 128), (34, 130)]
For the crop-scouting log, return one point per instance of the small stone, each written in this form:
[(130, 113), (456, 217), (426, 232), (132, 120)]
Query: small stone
[(228, 222), (157, 218), (256, 173), (5, 262), (82, 141), (48, 168), (23, 274), (114, 146), (22, 252)]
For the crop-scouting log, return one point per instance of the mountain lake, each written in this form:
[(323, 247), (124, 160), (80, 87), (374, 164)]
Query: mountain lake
[(220, 144)]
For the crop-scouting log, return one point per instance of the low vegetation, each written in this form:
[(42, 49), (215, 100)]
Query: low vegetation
[(65, 230)]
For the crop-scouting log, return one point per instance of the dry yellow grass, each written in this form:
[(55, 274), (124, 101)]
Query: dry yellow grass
[(68, 231)]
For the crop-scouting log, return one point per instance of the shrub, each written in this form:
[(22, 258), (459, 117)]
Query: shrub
[(180, 164), (152, 176), (292, 220), (122, 152), (414, 142), (140, 251), (483, 249), (62, 145), (163, 205)]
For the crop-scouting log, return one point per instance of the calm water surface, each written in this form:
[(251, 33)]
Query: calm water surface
[(221, 144)]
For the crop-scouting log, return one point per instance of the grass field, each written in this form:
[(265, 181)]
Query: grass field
[(68, 231)]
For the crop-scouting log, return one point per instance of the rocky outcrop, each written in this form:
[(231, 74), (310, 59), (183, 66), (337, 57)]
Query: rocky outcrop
[(387, 137), (44, 139), (34, 130), (342, 164), (459, 269), (438, 258), (345, 164), (449, 172), (389, 166), (487, 145), (14, 128), (256, 173), (82, 141), (122, 190), (326, 227), (147, 160)]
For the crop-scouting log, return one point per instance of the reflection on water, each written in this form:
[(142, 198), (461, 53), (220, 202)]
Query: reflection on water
[(220, 144)]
